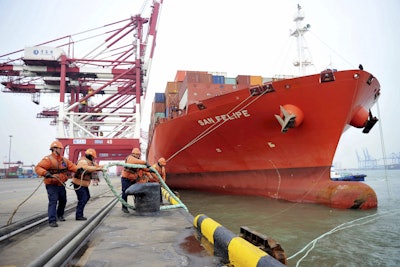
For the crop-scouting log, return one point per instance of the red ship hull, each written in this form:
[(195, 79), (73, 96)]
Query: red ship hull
[(233, 143)]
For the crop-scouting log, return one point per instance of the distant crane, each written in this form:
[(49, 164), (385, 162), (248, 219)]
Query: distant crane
[(100, 92), (368, 162)]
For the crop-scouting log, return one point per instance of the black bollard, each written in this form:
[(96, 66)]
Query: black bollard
[(147, 197)]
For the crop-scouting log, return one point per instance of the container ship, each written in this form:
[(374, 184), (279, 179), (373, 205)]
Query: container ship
[(251, 135)]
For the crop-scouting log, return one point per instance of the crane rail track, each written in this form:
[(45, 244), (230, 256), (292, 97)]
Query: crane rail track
[(27, 224), (68, 242)]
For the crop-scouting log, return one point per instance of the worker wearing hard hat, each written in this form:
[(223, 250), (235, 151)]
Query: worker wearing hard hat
[(54, 168), (81, 180), (130, 176), (160, 168)]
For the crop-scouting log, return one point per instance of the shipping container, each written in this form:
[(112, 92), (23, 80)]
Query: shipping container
[(158, 115), (256, 80), (159, 98), (196, 92), (229, 80), (243, 79), (267, 80), (218, 79), (158, 107), (198, 77), (180, 75), (172, 87), (171, 99)]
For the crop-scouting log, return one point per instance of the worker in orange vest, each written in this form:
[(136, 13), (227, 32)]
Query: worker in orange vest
[(81, 180), (160, 168), (54, 168), (130, 176)]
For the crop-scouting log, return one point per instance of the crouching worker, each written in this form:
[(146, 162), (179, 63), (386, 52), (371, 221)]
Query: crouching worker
[(160, 168), (54, 169), (81, 181), (130, 176)]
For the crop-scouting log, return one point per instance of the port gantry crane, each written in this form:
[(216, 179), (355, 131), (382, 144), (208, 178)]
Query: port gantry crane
[(100, 93)]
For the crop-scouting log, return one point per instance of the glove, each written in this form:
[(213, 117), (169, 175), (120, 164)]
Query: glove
[(48, 175), (80, 170)]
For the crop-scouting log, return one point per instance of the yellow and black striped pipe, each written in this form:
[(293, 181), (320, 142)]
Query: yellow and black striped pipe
[(234, 249), (168, 197)]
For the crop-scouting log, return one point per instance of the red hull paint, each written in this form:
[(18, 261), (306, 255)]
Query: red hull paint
[(234, 144)]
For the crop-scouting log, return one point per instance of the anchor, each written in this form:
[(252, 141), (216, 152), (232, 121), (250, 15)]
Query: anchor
[(370, 123), (288, 120)]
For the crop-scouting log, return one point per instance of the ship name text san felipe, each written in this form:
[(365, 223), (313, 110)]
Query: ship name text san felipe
[(224, 117)]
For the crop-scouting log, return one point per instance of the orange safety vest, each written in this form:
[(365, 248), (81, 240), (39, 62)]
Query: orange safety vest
[(87, 176), (58, 170), (133, 174)]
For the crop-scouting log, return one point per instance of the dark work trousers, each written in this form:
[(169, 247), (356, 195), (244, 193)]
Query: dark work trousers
[(56, 194), (83, 196), (125, 183)]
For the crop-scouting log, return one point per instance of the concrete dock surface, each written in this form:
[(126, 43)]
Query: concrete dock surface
[(167, 238)]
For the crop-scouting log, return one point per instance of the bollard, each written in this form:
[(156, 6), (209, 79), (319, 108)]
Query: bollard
[(147, 197)]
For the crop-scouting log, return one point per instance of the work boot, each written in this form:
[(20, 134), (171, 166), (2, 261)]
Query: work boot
[(53, 224), (125, 209), (61, 219), (81, 218)]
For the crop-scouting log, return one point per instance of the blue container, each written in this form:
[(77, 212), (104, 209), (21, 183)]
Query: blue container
[(217, 79), (159, 98)]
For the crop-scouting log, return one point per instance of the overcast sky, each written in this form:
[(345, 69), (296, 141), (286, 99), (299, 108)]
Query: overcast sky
[(236, 37)]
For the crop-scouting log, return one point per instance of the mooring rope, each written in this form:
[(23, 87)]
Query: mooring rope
[(340, 227), (26, 199), (383, 151), (164, 185)]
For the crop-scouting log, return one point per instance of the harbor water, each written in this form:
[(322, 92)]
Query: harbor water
[(316, 235)]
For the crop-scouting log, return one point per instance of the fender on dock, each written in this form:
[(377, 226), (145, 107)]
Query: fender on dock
[(231, 248)]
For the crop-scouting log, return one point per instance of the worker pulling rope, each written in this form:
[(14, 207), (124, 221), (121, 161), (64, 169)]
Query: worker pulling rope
[(163, 184), (116, 194)]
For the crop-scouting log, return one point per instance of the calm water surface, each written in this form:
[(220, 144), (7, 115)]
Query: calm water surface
[(341, 237)]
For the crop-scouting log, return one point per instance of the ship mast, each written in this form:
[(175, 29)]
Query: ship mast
[(303, 56)]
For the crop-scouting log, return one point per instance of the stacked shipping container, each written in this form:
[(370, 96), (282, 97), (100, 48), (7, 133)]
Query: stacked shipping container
[(191, 87)]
